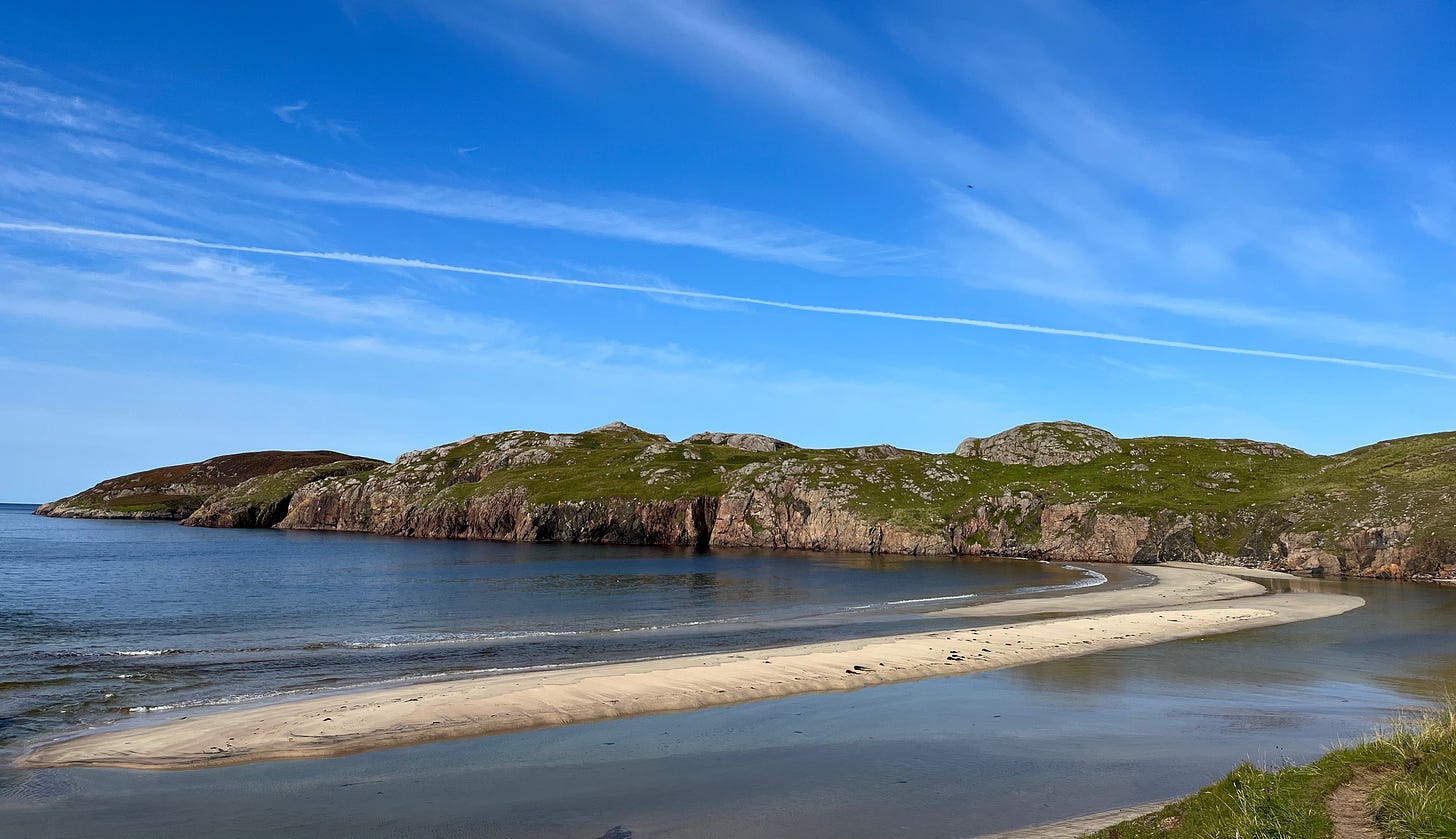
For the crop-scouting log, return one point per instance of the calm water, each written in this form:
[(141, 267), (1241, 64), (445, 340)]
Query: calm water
[(949, 757), (115, 620)]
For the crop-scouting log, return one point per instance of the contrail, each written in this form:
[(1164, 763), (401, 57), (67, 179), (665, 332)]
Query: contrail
[(397, 262)]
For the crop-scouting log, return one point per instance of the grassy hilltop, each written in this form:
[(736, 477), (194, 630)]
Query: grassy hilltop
[(176, 492), (1059, 490)]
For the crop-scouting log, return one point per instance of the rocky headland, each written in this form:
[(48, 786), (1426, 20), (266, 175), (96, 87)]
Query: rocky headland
[(1059, 490), (177, 492)]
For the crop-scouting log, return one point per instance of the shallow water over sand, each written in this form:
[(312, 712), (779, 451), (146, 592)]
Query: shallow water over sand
[(943, 757), (113, 621)]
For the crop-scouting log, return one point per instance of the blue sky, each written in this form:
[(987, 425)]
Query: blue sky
[(747, 198)]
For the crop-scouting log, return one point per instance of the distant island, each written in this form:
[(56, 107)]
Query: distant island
[(1055, 490)]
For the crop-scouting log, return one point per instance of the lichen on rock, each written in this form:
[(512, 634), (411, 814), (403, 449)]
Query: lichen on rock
[(1042, 444), (745, 442), (1055, 491)]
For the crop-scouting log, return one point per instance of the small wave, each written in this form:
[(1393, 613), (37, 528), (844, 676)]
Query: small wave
[(656, 627), (914, 600), (932, 599), (1089, 579), (381, 642), (388, 641), (204, 703)]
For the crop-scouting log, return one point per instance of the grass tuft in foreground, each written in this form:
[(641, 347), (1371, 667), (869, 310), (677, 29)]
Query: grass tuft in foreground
[(1413, 798)]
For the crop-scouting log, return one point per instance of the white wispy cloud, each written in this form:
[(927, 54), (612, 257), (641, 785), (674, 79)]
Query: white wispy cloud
[(727, 50), (148, 290), (209, 296), (1077, 229), (635, 218), (398, 262), (1090, 195), (297, 114), (28, 103), (84, 313), (134, 163)]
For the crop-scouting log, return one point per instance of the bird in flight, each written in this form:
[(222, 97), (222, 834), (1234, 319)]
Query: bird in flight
[(970, 186)]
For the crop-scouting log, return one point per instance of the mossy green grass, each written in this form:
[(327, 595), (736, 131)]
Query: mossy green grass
[(1414, 760)]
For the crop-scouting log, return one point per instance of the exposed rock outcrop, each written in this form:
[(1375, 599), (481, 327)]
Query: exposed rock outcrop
[(883, 451), (746, 442), (263, 501), (1042, 444), (625, 432), (1387, 510), (510, 516)]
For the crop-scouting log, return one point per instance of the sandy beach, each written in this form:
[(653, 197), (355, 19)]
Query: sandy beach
[(1184, 603)]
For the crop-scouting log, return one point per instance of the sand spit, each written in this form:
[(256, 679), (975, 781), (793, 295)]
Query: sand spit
[(1174, 587), (1234, 570), (345, 723)]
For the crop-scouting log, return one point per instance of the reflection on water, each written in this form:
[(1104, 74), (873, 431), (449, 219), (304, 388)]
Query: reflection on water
[(950, 757), (701, 588), (107, 620), (1398, 641)]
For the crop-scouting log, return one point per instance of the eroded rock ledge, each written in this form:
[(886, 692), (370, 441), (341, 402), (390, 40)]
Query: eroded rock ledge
[(1062, 491)]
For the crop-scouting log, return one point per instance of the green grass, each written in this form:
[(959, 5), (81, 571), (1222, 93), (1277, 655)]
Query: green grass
[(600, 467), (1239, 497), (1419, 800), (277, 487), (138, 492), (262, 501), (1238, 500), (1415, 800), (149, 502)]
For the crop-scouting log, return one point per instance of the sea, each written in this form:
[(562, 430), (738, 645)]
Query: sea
[(120, 622)]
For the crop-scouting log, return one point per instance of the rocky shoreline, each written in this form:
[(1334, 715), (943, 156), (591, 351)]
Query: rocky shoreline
[(1060, 491)]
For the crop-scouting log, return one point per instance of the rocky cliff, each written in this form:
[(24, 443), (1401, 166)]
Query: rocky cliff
[(263, 500), (176, 492), (1047, 490)]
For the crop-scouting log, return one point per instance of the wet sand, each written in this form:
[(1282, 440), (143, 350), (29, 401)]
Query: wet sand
[(1185, 603)]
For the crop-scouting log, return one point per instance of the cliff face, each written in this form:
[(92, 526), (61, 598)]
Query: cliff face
[(1050, 490), (262, 501), (175, 492)]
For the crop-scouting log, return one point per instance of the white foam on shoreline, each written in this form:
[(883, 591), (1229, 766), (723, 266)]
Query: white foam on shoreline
[(1090, 578)]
